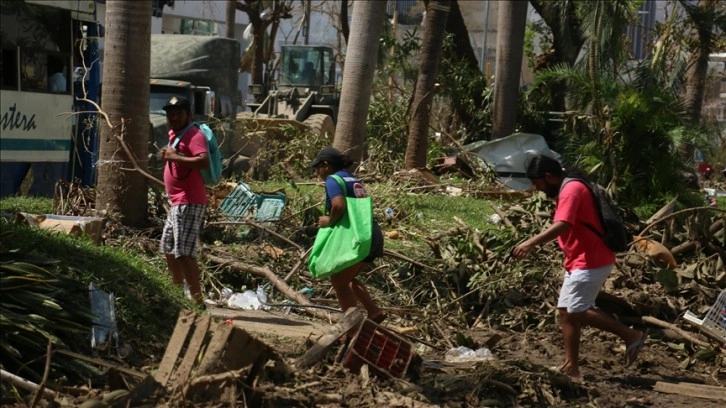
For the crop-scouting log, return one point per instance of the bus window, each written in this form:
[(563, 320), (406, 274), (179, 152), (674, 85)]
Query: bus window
[(9, 68), (57, 74), (33, 71)]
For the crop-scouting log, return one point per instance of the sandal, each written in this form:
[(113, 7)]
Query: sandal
[(633, 349)]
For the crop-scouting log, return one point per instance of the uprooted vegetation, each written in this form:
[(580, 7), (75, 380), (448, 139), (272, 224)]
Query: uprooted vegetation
[(447, 280)]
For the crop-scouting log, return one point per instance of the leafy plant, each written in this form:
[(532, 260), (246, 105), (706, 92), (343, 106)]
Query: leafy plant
[(41, 305)]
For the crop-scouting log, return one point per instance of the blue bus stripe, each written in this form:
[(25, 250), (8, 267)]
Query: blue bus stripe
[(35, 144)]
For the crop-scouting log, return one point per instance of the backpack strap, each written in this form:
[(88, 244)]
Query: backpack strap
[(341, 183), (594, 202), (181, 135), (174, 144)]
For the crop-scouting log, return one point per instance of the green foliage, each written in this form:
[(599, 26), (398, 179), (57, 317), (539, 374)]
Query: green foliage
[(633, 145), (146, 302), (40, 305), (463, 85), (389, 111), (32, 205), (286, 151), (536, 31)]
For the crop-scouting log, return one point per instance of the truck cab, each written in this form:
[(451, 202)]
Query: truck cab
[(204, 70), (203, 109), (301, 86)]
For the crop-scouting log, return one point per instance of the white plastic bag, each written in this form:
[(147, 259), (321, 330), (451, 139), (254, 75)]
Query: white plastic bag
[(249, 300), (463, 353)]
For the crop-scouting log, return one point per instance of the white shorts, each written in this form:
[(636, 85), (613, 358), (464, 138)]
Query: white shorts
[(580, 288)]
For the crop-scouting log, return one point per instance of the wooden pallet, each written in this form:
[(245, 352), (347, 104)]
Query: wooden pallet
[(205, 359)]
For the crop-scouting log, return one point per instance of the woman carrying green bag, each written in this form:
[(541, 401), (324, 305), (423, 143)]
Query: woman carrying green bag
[(330, 162)]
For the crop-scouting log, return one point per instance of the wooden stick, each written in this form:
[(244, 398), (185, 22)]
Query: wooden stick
[(212, 378), (115, 366), (41, 386), (27, 385), (261, 227), (298, 264), (131, 157), (669, 216), (407, 259), (657, 322), (503, 216)]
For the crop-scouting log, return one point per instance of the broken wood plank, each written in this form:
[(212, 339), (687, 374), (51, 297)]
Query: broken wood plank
[(178, 338), (692, 390), (350, 319), (181, 374), (243, 350), (216, 348)]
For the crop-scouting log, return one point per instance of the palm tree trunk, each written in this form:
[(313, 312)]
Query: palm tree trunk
[(433, 38), (510, 49), (126, 102), (698, 71), (360, 66)]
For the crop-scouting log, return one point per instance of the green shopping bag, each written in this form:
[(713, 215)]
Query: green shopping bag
[(347, 242)]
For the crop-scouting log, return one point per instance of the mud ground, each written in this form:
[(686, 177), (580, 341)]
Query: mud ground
[(521, 359)]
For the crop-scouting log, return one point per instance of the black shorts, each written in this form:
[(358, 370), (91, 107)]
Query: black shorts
[(376, 244)]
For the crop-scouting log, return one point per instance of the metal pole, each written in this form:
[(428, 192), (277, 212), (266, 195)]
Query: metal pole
[(306, 29)]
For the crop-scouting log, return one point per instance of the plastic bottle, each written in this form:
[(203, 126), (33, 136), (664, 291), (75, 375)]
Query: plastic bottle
[(307, 291), (261, 298), (389, 213), (226, 293)]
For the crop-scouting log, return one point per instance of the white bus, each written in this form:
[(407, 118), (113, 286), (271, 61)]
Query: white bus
[(42, 42)]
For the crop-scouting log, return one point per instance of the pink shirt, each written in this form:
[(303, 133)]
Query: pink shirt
[(582, 247), (185, 185)]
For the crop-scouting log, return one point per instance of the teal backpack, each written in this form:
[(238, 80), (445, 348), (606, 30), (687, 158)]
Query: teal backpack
[(213, 174)]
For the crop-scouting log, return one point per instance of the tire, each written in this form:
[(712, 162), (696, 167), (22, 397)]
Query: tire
[(321, 124)]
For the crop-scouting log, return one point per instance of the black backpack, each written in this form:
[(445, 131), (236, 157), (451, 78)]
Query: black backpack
[(616, 237)]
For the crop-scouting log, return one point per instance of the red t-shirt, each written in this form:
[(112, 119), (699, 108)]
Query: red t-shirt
[(582, 247), (185, 185)]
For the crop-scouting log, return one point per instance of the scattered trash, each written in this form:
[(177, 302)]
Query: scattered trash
[(462, 353), (454, 191), (71, 225), (104, 328), (249, 300), (714, 323), (389, 213), (226, 293), (308, 291), (495, 219), (509, 154), (383, 349)]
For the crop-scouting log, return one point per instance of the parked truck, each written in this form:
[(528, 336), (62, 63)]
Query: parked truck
[(205, 70)]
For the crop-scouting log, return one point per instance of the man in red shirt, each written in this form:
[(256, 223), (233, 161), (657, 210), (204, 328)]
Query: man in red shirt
[(184, 185), (588, 261)]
